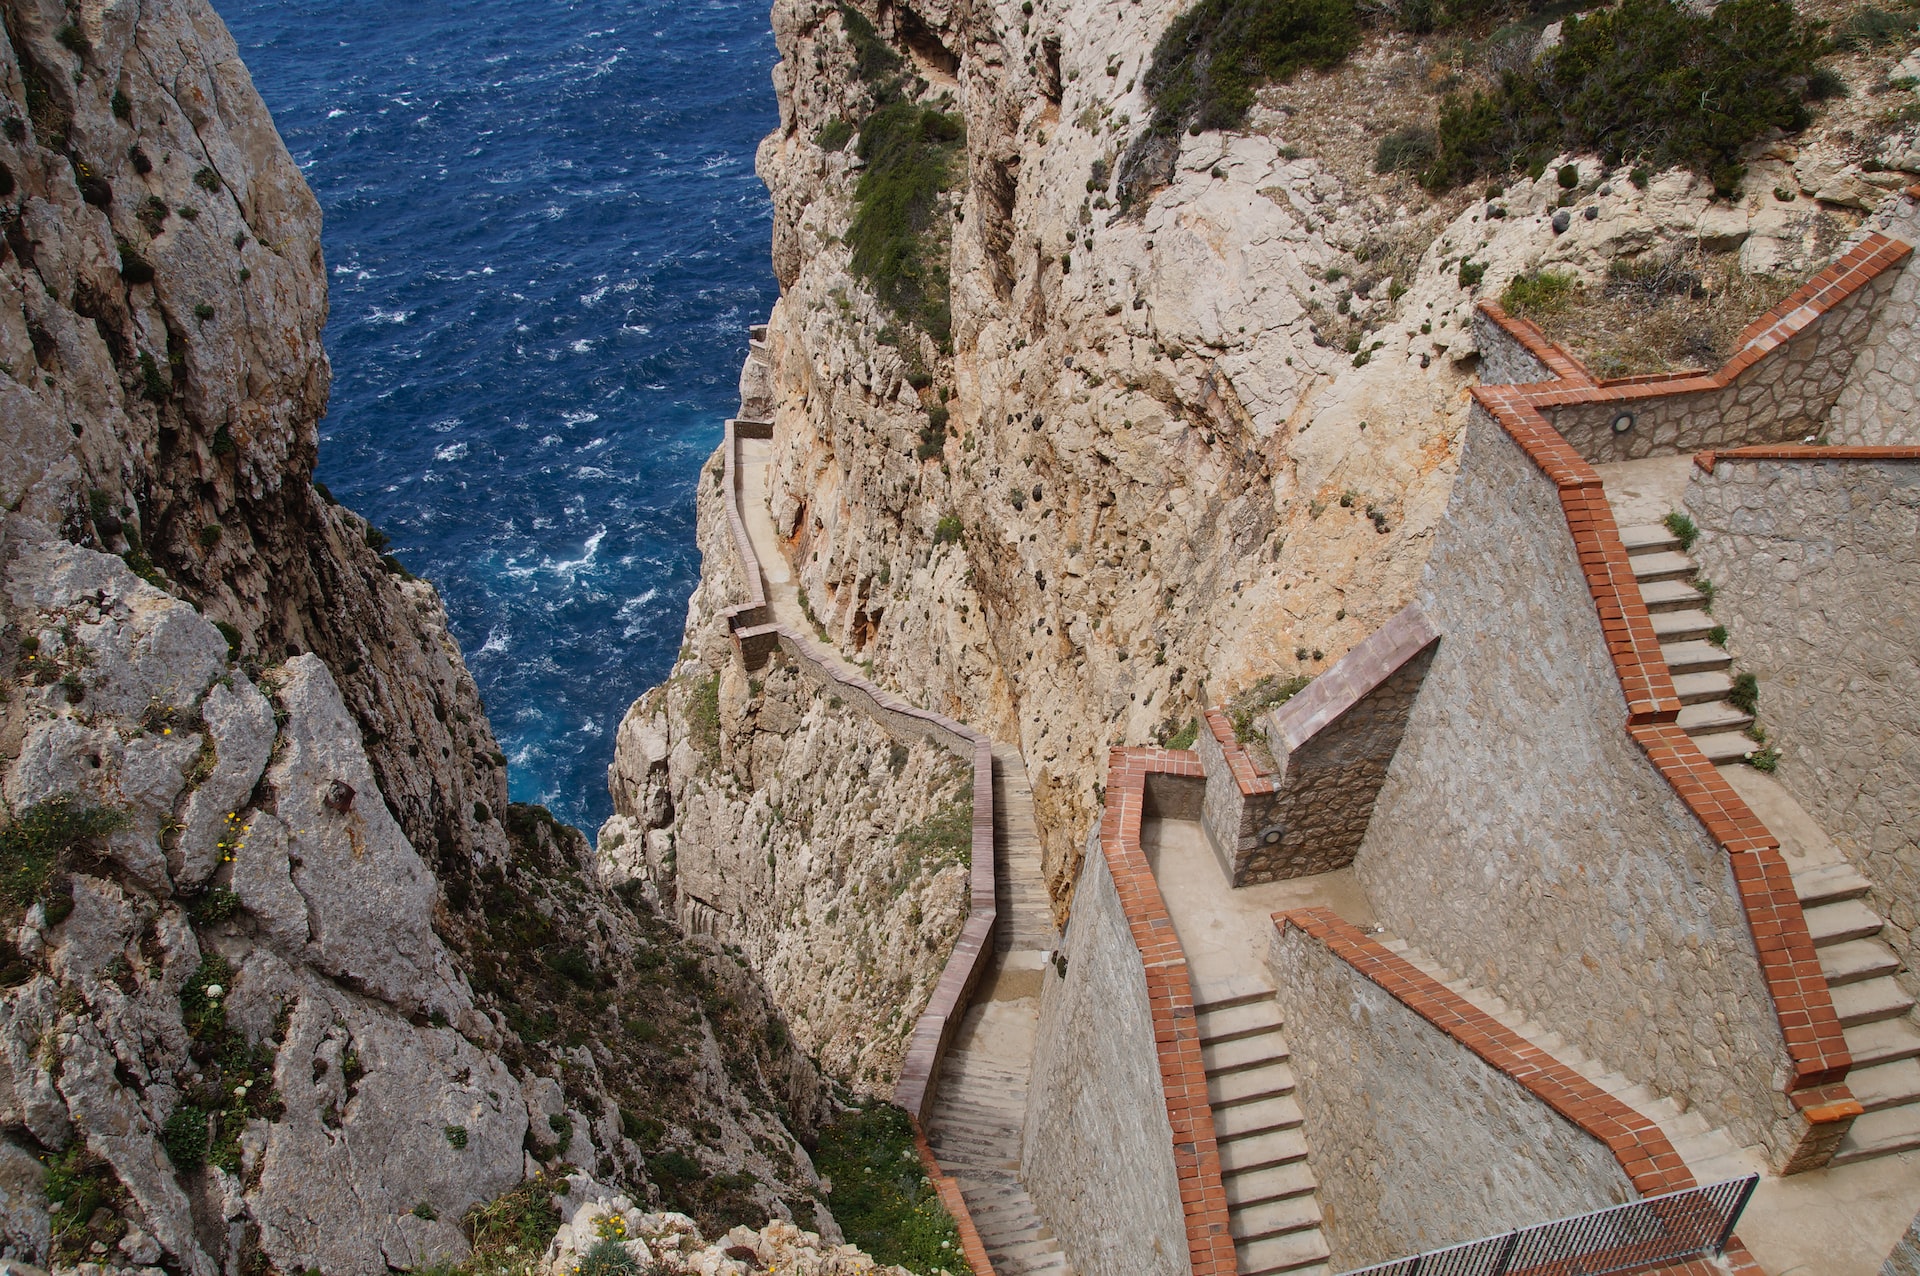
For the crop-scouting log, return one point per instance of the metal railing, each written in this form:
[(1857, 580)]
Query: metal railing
[(1695, 1223)]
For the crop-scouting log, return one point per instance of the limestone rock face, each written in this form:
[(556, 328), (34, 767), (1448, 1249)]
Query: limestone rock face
[(283, 974), (1191, 442)]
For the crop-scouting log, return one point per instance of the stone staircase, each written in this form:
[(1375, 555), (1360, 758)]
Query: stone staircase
[(1701, 673), (1271, 1208), (1876, 1014), (980, 1107), (1709, 1151)]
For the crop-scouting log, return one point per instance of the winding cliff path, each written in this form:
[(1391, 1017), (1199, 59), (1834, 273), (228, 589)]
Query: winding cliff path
[(980, 1103)]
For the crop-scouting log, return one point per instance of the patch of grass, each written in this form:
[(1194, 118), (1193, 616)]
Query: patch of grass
[(41, 840), (1268, 693), (881, 1196), (1648, 80), (83, 1195), (608, 1257), (1214, 56), (1185, 736), (1683, 529), (945, 837), (1745, 695), (1717, 636), (1538, 292), (1874, 28), (703, 715), (510, 1232)]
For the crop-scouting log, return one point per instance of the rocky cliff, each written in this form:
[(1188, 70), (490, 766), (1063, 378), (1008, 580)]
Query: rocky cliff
[(1126, 424), (285, 982)]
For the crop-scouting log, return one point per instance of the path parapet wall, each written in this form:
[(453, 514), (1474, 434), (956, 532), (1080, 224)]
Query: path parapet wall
[(1144, 938), (1815, 558), (1595, 877), (1097, 1152), (756, 638), (1451, 1126), (1788, 370)]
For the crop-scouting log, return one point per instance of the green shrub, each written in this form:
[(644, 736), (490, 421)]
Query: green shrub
[(153, 386), (1185, 736), (873, 58), (213, 907), (1538, 292), (948, 530), (573, 965), (206, 179), (1471, 272), (897, 237), (1406, 150), (210, 535), (833, 135), (608, 1257), (1568, 177), (1647, 80), (673, 1166), (185, 1137), (703, 715), (456, 1136), (1214, 56), (881, 1196)]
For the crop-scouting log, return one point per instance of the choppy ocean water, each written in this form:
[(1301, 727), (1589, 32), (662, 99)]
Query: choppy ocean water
[(545, 241)]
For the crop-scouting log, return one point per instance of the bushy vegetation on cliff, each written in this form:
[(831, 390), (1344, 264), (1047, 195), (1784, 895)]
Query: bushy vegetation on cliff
[(1649, 81), (910, 154)]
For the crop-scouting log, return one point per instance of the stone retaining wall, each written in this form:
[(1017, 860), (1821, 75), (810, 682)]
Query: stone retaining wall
[(1815, 558), (1523, 839), (1098, 1150), (1880, 404), (1789, 368), (1391, 1102)]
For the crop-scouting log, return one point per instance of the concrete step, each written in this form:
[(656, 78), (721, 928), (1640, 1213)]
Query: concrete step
[(1855, 960), (1238, 1056), (1684, 625), (1829, 883), (1660, 565), (1238, 1156), (1231, 1023), (1277, 1254), (1883, 1041), (1870, 1002), (1722, 747), (1706, 719), (1228, 1001), (1694, 657), (1842, 920), (1274, 1218), (1886, 1085), (1880, 1134), (1671, 595), (1276, 1183), (1704, 687), (1256, 1118), (1254, 1085), (1644, 538)]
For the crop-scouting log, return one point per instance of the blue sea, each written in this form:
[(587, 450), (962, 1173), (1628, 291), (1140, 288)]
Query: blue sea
[(545, 241)]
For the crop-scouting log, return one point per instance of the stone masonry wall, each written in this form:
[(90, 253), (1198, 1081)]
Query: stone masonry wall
[(1234, 818), (1880, 404), (1098, 1156), (1523, 839), (1905, 1258), (1816, 568), (1388, 1099)]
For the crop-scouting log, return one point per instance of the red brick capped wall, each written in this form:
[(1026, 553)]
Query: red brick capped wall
[(1804, 452), (755, 637), (1183, 1077), (1802, 1003), (1637, 1144)]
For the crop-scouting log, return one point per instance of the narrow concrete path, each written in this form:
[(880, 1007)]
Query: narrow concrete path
[(980, 1102)]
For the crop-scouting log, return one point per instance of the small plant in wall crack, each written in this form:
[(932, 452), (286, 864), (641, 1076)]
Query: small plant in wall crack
[(1745, 695)]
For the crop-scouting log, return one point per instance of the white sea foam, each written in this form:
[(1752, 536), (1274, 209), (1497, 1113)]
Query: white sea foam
[(579, 418), (583, 346), (633, 615), (594, 298), (496, 643), (591, 444), (377, 315), (335, 113), (451, 452)]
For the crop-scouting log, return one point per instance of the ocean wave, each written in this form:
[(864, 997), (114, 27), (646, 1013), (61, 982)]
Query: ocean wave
[(451, 452)]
